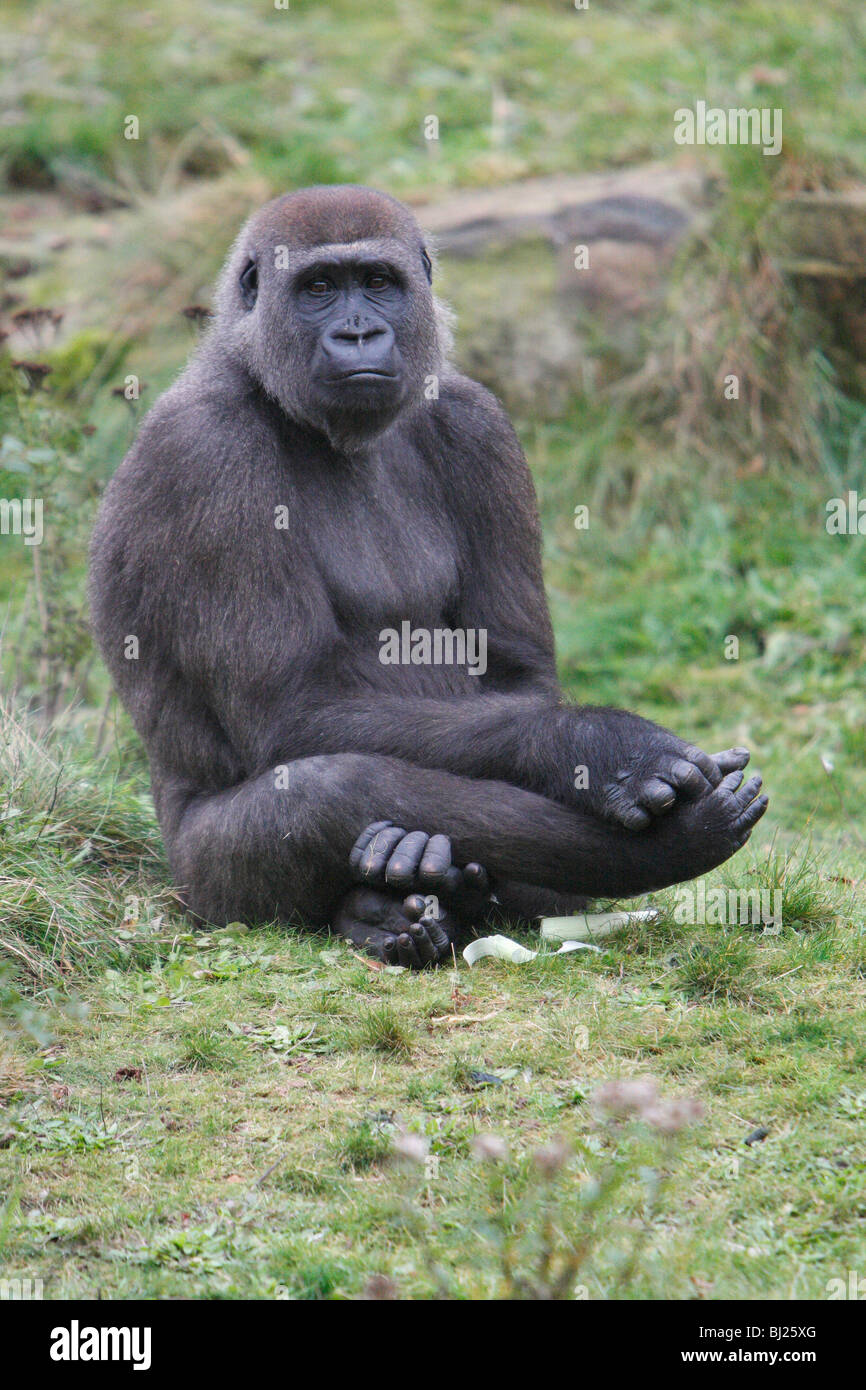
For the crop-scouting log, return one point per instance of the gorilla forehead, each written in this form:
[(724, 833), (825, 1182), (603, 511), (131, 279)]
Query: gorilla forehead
[(336, 214)]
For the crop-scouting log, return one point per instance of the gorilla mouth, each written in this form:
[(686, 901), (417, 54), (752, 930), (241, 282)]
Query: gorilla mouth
[(363, 373)]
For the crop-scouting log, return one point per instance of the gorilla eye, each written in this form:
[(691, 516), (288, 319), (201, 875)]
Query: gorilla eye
[(379, 280), (320, 286), (249, 283)]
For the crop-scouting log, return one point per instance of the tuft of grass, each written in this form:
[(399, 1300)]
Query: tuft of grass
[(381, 1029), (365, 1145), (205, 1048), (312, 1281), (810, 900), (80, 885), (720, 970)]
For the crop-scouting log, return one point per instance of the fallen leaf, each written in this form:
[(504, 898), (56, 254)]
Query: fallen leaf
[(374, 965)]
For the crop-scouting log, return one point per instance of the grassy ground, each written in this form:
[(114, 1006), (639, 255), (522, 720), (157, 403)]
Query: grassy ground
[(214, 1115)]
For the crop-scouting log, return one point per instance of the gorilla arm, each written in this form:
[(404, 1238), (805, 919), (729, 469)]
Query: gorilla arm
[(273, 846), (517, 729)]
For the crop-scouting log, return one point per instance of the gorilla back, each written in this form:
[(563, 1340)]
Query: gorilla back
[(320, 476)]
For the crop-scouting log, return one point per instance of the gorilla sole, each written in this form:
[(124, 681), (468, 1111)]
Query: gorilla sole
[(320, 474)]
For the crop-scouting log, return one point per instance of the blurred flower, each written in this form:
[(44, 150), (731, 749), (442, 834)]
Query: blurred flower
[(380, 1288), (626, 1097), (670, 1116), (489, 1148), (550, 1158), (410, 1147)]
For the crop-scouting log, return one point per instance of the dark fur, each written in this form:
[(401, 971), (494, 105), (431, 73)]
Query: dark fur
[(259, 647)]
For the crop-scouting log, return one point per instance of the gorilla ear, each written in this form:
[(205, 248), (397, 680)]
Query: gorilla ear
[(428, 265), (249, 283)]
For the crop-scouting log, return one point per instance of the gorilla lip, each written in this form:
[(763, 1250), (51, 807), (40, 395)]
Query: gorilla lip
[(366, 371)]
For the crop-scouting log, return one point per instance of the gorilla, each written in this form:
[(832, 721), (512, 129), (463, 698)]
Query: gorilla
[(318, 477)]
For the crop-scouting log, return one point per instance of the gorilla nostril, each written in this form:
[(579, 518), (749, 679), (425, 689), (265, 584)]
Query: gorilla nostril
[(355, 334)]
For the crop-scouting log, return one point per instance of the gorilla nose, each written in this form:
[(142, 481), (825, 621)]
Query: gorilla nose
[(356, 330), (358, 345)]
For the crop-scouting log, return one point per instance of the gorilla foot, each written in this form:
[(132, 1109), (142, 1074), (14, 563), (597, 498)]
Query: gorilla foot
[(394, 930), (385, 856)]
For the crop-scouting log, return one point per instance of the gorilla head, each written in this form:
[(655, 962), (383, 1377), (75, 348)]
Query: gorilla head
[(326, 301)]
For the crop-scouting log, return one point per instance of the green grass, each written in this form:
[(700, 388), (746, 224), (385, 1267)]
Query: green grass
[(229, 1168), (215, 1114)]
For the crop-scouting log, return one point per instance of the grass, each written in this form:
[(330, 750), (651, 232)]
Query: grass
[(216, 1114), (228, 1163)]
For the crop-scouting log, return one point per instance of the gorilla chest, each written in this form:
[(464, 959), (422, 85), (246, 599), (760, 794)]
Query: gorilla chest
[(383, 556)]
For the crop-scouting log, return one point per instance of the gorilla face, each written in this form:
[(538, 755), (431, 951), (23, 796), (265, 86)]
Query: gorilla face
[(342, 334), (353, 309)]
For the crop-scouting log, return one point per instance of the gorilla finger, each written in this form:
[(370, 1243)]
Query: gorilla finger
[(436, 860), (656, 795), (452, 882), (403, 864), (705, 764), (731, 759), (731, 782), (422, 943), (629, 814), (748, 792), (439, 936), (378, 852), (476, 878), (414, 907), (389, 950), (364, 839), (753, 813), (688, 778), (406, 953)]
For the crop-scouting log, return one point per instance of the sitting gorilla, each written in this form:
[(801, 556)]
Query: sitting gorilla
[(317, 481)]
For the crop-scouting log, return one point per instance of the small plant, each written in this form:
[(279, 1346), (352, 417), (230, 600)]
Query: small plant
[(720, 971), (364, 1146), (809, 903), (37, 1128), (531, 1248), (380, 1029), (206, 1049)]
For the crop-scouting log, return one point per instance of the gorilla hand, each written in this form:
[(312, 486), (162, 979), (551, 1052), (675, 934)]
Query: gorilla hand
[(384, 856), (394, 930), (651, 771)]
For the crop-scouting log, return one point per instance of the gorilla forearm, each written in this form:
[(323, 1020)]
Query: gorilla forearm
[(531, 741), (519, 739)]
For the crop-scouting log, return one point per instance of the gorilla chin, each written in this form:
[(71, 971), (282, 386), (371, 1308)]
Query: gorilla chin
[(356, 407)]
